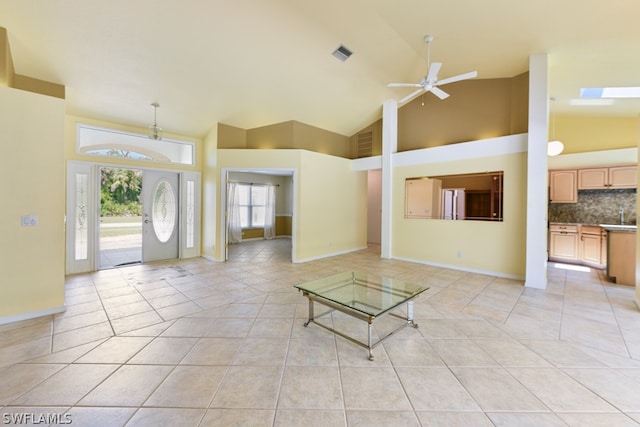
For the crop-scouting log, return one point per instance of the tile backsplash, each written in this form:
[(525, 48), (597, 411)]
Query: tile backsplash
[(597, 207)]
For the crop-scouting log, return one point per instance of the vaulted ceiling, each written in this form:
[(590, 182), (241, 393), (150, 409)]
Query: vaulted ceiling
[(250, 63)]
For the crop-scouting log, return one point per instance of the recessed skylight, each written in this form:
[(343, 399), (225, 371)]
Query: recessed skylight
[(610, 92), (342, 53), (591, 101)]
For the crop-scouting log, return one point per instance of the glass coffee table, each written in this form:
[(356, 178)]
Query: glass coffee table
[(364, 296)]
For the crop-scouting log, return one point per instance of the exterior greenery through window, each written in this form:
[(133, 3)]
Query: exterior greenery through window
[(252, 200), (120, 192)]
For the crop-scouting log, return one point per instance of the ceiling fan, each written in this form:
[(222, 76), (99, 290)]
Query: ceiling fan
[(430, 82)]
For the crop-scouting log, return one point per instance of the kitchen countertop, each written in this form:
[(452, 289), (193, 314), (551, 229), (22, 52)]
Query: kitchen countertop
[(625, 228), (608, 227)]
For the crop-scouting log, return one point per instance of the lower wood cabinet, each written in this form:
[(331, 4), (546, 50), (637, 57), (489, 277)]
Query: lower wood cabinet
[(582, 244), (563, 242), (621, 266), (591, 244)]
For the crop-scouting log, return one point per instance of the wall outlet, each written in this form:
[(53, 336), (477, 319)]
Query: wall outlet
[(29, 220), (460, 254)]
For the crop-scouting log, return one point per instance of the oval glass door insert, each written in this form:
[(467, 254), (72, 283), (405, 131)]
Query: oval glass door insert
[(163, 213)]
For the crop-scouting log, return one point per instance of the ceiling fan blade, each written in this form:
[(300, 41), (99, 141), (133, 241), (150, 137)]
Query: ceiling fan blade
[(459, 77), (404, 85), (433, 72), (439, 92), (411, 95)]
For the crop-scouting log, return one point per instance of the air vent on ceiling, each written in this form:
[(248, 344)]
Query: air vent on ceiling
[(342, 53)]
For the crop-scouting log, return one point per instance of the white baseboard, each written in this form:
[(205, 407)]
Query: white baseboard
[(459, 268), (31, 315), (329, 255)]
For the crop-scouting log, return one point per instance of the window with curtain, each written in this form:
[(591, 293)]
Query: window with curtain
[(252, 201)]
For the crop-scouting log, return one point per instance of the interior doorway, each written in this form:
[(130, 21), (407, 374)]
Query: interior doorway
[(248, 235)]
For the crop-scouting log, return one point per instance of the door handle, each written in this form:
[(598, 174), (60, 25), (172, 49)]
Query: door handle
[(147, 221)]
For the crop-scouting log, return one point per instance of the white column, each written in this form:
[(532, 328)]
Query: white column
[(389, 146), (537, 175), (637, 282)]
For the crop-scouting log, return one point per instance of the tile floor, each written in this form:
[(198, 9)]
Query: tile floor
[(198, 343)]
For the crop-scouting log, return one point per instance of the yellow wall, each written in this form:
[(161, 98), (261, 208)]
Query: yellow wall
[(581, 134), (32, 173), (493, 247), (331, 214), (9, 78), (210, 194)]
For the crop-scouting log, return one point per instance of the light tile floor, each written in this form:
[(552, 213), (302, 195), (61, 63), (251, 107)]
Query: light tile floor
[(198, 343)]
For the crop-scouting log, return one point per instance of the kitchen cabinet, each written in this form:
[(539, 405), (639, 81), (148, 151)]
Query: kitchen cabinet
[(621, 265), (563, 242), (591, 245), (623, 177), (605, 178), (423, 198), (563, 186), (603, 246)]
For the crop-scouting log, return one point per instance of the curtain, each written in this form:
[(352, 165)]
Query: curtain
[(270, 213), (233, 216)]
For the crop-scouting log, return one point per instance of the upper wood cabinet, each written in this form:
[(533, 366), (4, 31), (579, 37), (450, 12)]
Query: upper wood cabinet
[(563, 186), (422, 198), (603, 178), (623, 177)]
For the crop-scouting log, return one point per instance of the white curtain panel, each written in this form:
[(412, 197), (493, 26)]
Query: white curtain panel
[(234, 224), (270, 213)]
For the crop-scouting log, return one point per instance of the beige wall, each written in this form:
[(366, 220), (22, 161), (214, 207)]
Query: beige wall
[(231, 136), (285, 135), (31, 258), (477, 109), (492, 247)]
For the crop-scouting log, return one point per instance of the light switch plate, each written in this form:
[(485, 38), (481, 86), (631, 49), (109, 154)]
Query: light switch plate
[(29, 220)]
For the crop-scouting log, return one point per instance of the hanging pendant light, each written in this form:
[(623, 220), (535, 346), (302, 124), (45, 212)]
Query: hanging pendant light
[(155, 132), (554, 147)]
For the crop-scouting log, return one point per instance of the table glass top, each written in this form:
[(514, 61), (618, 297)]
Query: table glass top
[(363, 292)]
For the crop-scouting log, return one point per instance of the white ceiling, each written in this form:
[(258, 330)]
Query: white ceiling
[(250, 63)]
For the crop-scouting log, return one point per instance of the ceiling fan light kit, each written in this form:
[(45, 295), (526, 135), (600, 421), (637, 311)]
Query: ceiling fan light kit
[(430, 82)]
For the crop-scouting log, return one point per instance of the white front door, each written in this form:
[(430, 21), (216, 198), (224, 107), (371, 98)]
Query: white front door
[(160, 212)]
